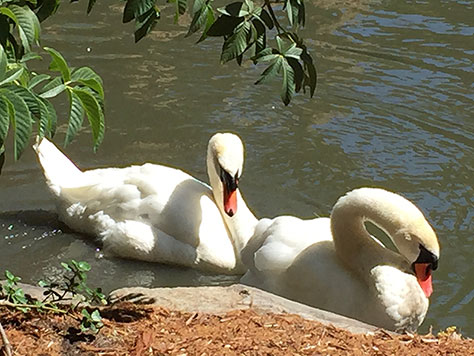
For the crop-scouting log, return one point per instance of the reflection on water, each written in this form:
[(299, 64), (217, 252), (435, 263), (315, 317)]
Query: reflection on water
[(393, 108)]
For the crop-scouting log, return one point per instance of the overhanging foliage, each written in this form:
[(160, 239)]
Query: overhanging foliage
[(245, 28)]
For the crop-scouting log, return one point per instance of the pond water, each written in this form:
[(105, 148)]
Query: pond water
[(393, 108)]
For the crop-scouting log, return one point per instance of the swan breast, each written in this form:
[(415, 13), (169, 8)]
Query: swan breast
[(401, 297)]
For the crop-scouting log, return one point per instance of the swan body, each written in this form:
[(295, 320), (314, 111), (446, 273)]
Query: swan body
[(157, 213), (335, 264)]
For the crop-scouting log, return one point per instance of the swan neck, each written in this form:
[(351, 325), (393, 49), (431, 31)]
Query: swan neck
[(353, 243), (242, 224)]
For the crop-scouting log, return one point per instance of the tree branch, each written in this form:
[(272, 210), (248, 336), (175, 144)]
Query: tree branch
[(279, 28), (33, 306)]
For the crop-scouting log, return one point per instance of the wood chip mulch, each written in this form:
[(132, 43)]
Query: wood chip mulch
[(141, 331)]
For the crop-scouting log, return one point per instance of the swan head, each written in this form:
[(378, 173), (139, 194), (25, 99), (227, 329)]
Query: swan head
[(418, 243), (413, 236), (225, 159)]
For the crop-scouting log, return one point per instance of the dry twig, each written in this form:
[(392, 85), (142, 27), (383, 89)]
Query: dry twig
[(6, 343)]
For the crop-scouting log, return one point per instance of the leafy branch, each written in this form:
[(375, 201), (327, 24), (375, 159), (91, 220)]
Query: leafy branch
[(73, 286), (245, 27), (25, 96)]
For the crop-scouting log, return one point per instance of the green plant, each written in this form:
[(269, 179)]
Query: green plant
[(12, 293), (71, 286), (73, 283), (91, 321)]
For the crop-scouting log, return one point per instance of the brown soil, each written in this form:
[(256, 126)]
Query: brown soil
[(141, 331)]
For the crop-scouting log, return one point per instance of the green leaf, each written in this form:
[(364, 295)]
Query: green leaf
[(94, 85), (236, 44), (2, 160), (145, 23), (48, 7), (5, 35), (136, 8), (95, 316), (3, 63), (209, 22), (51, 116), (9, 275), (43, 122), (52, 84), (302, 14), (28, 25), (266, 18), (37, 79), (85, 73), (76, 117), (90, 5), (17, 74), (4, 119), (53, 92), (299, 72), (289, 12), (271, 71), (44, 119), (21, 122), (279, 42), (66, 266), (29, 97), (30, 56), (58, 64), (88, 77), (224, 25), (20, 295), (293, 52), (235, 9), (259, 37), (9, 13), (84, 266), (200, 10), (288, 87), (94, 114), (85, 313), (265, 52), (268, 57), (295, 12)]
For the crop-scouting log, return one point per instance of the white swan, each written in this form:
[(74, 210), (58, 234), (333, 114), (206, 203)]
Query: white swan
[(336, 265), (157, 213)]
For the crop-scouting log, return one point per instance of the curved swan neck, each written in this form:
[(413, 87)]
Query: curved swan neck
[(354, 245), (241, 226)]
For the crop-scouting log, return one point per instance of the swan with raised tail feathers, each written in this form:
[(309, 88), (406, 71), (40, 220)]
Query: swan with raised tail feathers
[(335, 264), (157, 213)]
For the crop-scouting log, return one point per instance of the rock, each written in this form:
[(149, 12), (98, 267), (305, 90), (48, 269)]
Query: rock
[(219, 300)]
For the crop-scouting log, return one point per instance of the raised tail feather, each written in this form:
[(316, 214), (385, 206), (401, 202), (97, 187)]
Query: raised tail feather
[(57, 168)]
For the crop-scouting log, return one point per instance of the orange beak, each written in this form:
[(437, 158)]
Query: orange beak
[(230, 201), (423, 275)]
